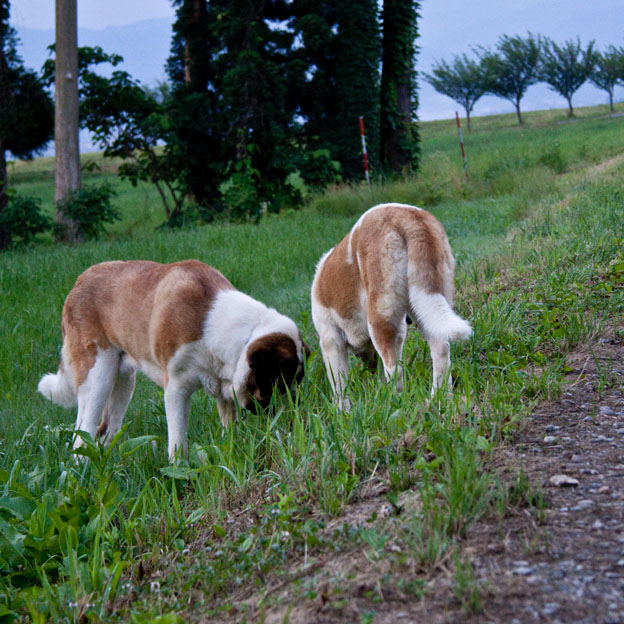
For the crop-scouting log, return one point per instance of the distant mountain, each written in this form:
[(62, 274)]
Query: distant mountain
[(143, 45)]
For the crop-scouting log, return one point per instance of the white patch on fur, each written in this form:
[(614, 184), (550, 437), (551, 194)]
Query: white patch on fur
[(236, 320)]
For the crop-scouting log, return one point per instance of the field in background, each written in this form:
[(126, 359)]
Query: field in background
[(538, 235)]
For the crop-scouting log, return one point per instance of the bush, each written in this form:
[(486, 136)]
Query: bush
[(90, 209), (554, 158), (21, 220)]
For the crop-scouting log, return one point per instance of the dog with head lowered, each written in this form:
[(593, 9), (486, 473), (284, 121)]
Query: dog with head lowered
[(183, 325), (395, 263)]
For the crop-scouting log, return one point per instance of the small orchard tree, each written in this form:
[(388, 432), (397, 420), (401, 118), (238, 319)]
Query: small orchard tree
[(464, 81), (512, 68), (565, 68), (608, 70)]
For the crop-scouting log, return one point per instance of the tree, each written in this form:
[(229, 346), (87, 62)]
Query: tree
[(67, 178), (399, 141), (231, 80), (513, 68), (338, 65), (358, 55), (26, 110), (465, 81), (567, 67), (608, 70)]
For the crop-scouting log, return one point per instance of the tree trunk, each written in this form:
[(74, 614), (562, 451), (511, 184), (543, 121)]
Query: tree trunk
[(570, 109), (518, 113), (611, 101), (66, 120), (467, 118)]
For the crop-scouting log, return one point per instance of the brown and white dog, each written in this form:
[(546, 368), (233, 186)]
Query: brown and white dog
[(395, 261), (183, 325)]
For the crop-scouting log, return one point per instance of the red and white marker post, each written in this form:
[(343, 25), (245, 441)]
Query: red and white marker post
[(364, 153), (461, 143)]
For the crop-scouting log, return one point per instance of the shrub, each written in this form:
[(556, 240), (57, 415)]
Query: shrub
[(90, 209), (554, 158), (21, 220)]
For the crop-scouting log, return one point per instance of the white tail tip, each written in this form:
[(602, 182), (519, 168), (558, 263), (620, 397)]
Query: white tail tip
[(57, 389), (436, 317)]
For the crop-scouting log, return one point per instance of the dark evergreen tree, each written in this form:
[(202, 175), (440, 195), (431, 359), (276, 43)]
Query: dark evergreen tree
[(26, 109), (231, 76), (399, 140), (358, 57), (315, 24), (340, 55)]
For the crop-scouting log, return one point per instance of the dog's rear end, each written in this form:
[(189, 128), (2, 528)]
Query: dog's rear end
[(396, 261)]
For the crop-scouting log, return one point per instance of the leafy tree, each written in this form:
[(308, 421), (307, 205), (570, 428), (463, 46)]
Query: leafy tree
[(134, 124), (399, 140), (464, 81), (512, 68), (608, 70), (26, 111), (567, 67)]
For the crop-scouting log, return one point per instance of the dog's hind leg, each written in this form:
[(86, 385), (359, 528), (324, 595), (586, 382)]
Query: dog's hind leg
[(441, 357), (336, 361), (388, 336), (115, 410), (95, 391)]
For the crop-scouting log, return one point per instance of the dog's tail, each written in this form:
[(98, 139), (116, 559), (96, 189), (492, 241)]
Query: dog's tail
[(59, 388), (436, 316), (430, 280)]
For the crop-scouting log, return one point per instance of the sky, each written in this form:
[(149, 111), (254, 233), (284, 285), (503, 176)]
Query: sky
[(95, 14)]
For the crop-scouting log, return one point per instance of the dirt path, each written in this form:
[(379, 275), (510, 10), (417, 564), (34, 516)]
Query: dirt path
[(571, 569)]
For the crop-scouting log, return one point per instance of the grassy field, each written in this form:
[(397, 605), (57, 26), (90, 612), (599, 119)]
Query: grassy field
[(539, 238)]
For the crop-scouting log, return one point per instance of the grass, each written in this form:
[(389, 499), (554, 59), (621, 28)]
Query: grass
[(538, 236)]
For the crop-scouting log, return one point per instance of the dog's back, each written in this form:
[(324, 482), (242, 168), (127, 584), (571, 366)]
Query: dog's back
[(131, 306), (397, 258)]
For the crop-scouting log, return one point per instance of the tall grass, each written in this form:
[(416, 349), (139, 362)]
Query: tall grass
[(540, 268)]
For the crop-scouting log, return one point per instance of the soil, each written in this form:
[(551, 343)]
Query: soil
[(562, 564)]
